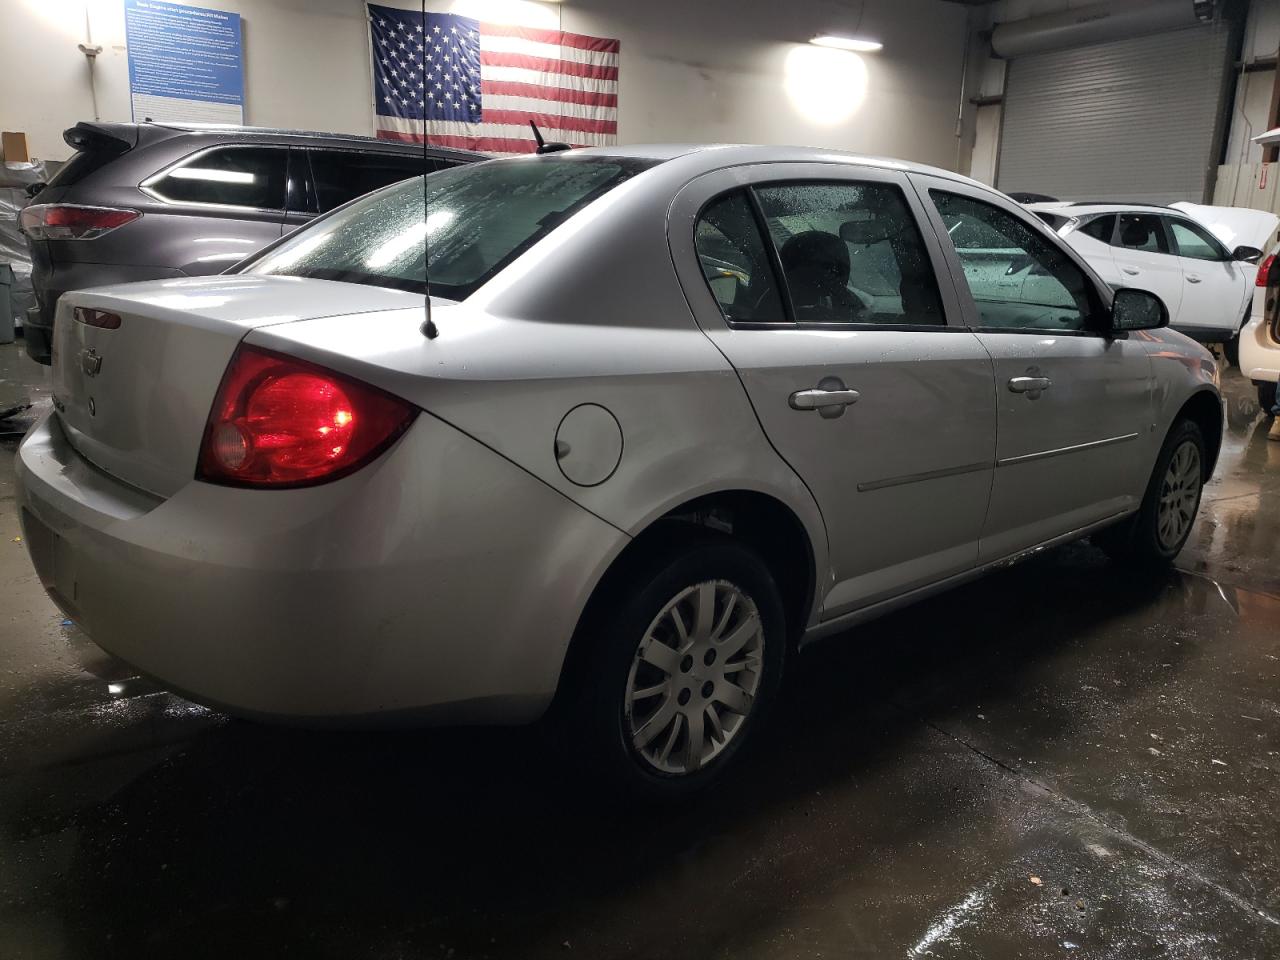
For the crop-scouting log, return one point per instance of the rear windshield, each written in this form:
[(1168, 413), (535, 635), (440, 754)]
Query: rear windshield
[(1054, 220), (83, 163), (479, 217)]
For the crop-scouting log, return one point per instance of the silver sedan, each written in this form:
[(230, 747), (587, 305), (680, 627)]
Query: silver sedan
[(676, 412)]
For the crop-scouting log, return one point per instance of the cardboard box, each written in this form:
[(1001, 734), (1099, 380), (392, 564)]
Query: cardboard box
[(13, 146)]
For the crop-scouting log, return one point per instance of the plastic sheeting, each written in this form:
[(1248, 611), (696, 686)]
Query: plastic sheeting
[(14, 180)]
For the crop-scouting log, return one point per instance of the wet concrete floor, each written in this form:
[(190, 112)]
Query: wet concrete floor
[(1062, 760)]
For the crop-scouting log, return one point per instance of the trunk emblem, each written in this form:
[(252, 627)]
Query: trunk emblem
[(90, 362)]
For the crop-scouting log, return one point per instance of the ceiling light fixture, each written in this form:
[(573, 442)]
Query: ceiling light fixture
[(856, 44)]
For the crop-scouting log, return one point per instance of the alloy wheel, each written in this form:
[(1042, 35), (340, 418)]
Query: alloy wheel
[(1179, 496), (695, 677)]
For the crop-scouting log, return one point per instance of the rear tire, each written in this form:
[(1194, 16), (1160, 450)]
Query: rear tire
[(1156, 534), (1231, 351), (1266, 397), (680, 667)]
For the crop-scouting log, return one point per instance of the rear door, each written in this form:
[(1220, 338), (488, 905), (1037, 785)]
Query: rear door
[(339, 176), (818, 284), (1074, 403), (218, 205), (1145, 259)]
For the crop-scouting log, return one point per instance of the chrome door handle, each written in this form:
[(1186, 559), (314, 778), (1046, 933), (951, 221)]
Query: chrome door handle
[(1193, 279), (1029, 384), (1130, 271), (816, 399)]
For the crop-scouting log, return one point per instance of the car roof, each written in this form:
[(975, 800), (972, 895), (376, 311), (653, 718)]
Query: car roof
[(240, 132), (714, 156)]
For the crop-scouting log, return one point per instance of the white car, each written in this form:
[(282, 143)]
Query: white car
[(1206, 285), (1260, 338)]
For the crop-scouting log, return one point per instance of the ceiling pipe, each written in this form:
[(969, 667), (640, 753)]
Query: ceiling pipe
[(1095, 23)]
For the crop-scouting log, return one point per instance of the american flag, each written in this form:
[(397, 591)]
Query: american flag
[(477, 85)]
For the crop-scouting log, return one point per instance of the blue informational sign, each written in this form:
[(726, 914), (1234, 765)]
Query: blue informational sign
[(185, 63)]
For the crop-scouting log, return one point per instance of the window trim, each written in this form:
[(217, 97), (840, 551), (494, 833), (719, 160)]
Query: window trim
[(926, 185), (780, 280), (147, 186)]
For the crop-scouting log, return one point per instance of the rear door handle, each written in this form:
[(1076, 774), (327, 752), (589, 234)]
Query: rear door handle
[(1029, 385), (829, 398), (1130, 271), (1193, 279)]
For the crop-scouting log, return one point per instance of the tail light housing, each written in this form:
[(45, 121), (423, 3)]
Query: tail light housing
[(1264, 270), (65, 221), (282, 422)]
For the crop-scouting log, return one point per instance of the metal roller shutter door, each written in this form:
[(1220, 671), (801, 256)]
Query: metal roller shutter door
[(1134, 119)]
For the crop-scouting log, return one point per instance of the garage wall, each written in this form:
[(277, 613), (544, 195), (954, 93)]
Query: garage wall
[(711, 70)]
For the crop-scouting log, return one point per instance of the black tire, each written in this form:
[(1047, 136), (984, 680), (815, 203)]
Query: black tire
[(1138, 539), (1266, 396), (1231, 351), (595, 725)]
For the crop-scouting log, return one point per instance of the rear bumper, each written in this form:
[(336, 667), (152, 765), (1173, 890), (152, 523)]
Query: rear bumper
[(1259, 352), (441, 583)]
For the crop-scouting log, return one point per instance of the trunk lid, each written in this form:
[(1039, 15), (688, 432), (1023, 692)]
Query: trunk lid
[(134, 400)]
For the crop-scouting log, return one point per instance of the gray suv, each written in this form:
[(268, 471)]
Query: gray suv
[(148, 201)]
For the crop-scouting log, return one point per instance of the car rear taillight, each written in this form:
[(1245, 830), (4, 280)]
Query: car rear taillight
[(1264, 270), (282, 422), (63, 221)]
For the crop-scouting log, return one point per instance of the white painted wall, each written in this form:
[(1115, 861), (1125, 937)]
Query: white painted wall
[(691, 70)]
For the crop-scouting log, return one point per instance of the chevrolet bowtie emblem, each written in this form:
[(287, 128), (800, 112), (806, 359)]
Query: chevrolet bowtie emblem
[(90, 362)]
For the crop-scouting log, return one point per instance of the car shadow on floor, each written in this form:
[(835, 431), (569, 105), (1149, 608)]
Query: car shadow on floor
[(252, 841)]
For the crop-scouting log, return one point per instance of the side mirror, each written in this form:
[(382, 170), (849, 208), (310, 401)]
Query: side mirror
[(1246, 254), (1137, 310)]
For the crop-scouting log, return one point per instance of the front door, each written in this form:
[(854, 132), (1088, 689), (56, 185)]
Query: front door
[(1074, 403), (1212, 286), (818, 284)]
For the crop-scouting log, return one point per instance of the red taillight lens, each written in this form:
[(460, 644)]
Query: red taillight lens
[(97, 318), (282, 422), (1264, 270), (46, 221)]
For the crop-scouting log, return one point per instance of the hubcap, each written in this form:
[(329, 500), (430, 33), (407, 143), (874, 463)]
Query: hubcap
[(695, 677), (1179, 496)]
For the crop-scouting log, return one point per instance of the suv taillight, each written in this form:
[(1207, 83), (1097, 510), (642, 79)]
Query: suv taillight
[(282, 422), (65, 221), (1264, 270)]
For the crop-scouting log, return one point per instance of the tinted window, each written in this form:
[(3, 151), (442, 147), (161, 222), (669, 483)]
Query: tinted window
[(229, 176), (735, 261), (1100, 228), (1054, 220), (1141, 231), (480, 217), (1194, 242), (851, 253), (1019, 279), (342, 175)]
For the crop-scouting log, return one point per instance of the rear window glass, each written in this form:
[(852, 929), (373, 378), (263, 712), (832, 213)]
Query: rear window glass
[(479, 217), (343, 175), (83, 163), (228, 176), (1100, 229), (1054, 220)]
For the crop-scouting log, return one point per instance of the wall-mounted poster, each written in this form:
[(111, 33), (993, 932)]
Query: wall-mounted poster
[(185, 63)]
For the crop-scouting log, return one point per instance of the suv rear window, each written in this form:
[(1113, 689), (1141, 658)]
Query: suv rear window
[(342, 175), (1054, 220), (227, 176), (480, 217)]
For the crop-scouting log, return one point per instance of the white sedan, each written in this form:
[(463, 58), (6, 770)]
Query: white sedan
[(1207, 286), (676, 413)]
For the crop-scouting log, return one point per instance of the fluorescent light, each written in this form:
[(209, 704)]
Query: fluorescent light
[(856, 44), (211, 175)]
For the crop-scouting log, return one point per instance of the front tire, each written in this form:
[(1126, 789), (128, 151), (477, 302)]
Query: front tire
[(679, 670), (1158, 531)]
